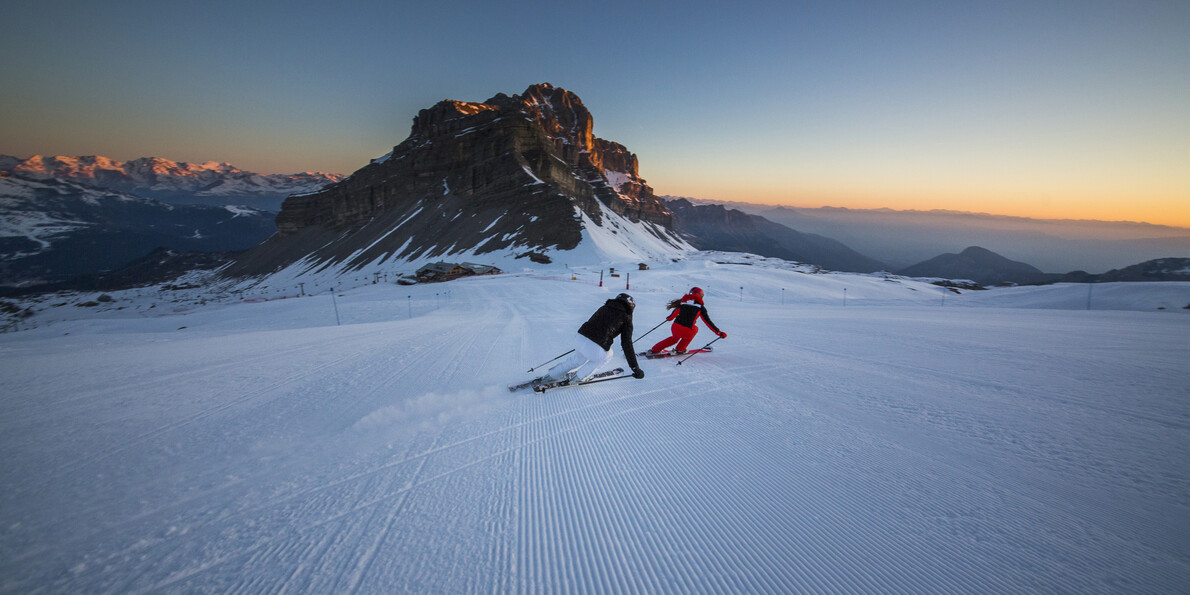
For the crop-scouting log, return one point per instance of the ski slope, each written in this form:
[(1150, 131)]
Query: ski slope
[(906, 440)]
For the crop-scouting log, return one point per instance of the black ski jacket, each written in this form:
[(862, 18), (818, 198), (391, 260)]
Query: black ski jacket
[(612, 318), (687, 315)]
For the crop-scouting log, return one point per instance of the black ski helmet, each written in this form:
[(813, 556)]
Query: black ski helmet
[(628, 301)]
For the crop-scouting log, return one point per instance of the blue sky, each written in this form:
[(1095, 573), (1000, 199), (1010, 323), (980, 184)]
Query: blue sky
[(1052, 109)]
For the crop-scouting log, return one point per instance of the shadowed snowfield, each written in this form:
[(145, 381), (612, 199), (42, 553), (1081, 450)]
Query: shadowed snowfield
[(909, 440)]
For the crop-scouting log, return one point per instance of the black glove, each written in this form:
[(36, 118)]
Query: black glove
[(638, 373)]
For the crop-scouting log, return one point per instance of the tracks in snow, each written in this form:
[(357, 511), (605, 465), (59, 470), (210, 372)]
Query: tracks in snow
[(717, 476)]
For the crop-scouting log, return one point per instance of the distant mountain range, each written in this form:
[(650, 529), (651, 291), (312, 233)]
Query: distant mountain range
[(54, 229), (988, 268), (1159, 269), (62, 217), (174, 182), (715, 227), (904, 238)]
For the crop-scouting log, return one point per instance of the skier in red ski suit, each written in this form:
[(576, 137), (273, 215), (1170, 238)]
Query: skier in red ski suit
[(686, 312)]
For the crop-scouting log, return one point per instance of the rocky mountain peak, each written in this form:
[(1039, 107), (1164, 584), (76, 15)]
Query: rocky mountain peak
[(513, 173), (66, 167), (559, 112), (564, 118), (445, 116)]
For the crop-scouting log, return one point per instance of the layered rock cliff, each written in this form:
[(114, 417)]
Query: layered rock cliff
[(517, 174)]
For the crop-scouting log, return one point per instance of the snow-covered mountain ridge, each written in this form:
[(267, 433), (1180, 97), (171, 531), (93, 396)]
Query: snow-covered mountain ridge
[(52, 229), (177, 182)]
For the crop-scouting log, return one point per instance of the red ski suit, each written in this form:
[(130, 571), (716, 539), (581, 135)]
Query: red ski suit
[(686, 325)]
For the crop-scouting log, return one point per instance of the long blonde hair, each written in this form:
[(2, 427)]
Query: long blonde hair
[(689, 297)]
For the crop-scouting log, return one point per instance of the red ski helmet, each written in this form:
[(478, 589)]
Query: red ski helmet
[(696, 291)]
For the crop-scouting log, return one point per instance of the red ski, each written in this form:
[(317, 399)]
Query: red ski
[(648, 355)]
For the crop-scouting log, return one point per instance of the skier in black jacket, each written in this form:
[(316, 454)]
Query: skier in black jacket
[(593, 348)]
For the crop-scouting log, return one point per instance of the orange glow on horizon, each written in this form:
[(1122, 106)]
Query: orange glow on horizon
[(1161, 209)]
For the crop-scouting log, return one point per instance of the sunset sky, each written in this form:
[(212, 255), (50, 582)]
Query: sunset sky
[(1054, 109)]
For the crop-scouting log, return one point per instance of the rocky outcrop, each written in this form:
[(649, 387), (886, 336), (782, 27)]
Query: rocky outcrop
[(514, 173)]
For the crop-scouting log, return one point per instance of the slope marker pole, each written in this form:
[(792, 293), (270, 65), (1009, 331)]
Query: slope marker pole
[(336, 304)]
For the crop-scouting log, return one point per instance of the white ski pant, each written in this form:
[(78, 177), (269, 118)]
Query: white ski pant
[(588, 359)]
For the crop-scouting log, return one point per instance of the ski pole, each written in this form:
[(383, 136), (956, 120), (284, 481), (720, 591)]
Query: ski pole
[(650, 330), (620, 377), (699, 350), (544, 363)]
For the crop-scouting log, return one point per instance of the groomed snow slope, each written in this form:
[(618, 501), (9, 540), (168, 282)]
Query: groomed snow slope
[(895, 444)]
